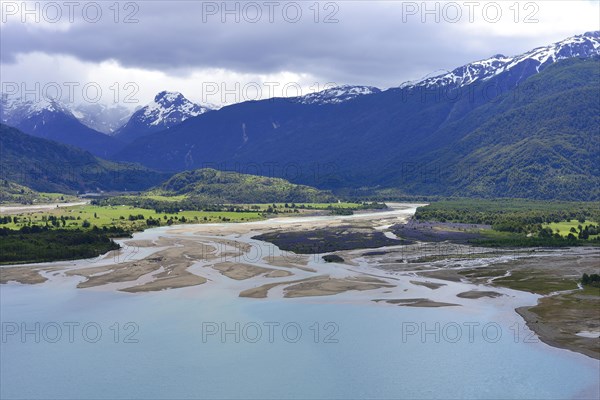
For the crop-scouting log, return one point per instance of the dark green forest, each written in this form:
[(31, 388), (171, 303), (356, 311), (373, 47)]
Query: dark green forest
[(42, 244)]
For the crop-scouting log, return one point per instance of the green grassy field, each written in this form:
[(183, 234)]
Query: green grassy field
[(564, 227), (118, 216), (519, 222)]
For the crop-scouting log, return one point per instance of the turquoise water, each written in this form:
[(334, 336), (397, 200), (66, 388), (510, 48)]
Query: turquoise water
[(365, 354)]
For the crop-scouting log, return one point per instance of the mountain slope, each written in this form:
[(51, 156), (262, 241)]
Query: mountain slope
[(102, 118), (212, 186), (47, 166), (49, 119), (11, 192), (167, 110), (546, 144)]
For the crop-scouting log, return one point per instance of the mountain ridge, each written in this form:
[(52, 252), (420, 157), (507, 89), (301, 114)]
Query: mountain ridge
[(380, 139), (48, 166), (585, 45)]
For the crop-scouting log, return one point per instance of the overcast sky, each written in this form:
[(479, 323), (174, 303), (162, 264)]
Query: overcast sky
[(228, 52)]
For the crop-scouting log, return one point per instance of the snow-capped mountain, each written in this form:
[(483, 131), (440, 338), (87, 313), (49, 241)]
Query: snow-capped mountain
[(13, 110), (582, 46), (167, 110), (103, 118), (50, 119), (338, 94)]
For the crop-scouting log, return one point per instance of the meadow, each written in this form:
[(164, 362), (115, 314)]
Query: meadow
[(565, 227), (124, 217), (519, 222), (137, 214)]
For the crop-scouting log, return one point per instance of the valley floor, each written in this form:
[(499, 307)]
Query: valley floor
[(415, 274)]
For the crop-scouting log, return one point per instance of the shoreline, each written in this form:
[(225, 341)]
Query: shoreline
[(550, 334)]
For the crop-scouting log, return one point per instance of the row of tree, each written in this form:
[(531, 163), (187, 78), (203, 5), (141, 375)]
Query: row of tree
[(590, 280)]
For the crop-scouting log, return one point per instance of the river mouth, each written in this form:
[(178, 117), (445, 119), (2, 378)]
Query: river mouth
[(183, 286)]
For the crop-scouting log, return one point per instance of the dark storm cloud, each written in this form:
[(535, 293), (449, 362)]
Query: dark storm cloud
[(370, 43)]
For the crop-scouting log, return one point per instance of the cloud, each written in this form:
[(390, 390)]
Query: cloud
[(175, 44)]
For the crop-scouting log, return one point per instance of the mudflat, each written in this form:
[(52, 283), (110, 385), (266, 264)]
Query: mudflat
[(240, 271), (419, 302), (24, 275), (478, 294), (328, 286)]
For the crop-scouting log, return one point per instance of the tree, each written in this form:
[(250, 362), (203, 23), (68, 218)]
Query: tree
[(585, 279), (591, 280), (545, 232)]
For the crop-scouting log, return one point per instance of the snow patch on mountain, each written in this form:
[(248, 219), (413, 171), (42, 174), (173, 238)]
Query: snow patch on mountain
[(338, 94), (583, 46), (100, 117), (168, 109), (14, 109)]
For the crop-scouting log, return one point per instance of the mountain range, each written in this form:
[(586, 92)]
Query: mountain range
[(50, 119), (520, 126), (518, 67), (97, 128)]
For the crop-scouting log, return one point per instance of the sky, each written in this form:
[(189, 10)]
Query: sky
[(226, 52)]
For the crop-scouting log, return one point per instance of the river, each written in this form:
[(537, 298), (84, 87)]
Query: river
[(205, 341)]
